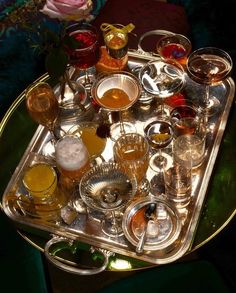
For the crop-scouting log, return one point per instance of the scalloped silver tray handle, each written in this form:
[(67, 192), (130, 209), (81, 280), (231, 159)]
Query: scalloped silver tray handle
[(150, 33), (60, 263)]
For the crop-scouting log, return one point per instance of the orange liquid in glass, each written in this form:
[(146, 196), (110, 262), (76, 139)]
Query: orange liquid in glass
[(115, 98)]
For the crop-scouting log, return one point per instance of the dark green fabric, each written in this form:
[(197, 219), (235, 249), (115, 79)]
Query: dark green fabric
[(21, 266), (195, 276)]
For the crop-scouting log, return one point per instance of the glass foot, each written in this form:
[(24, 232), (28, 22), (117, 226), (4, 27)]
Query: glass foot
[(212, 107), (112, 228), (159, 162)]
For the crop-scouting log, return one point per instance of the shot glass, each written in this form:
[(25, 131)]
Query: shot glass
[(189, 149), (178, 184)]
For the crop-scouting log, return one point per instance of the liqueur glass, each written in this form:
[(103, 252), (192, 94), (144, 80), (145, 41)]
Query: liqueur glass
[(185, 118), (107, 188), (209, 66), (159, 134), (43, 107)]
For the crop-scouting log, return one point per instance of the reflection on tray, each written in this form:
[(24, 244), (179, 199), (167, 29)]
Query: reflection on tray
[(65, 212)]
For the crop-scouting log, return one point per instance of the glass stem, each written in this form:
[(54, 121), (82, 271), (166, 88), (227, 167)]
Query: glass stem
[(114, 222), (122, 128), (87, 78), (207, 96)]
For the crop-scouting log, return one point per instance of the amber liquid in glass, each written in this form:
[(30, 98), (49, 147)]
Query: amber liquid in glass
[(134, 159), (94, 143), (115, 98), (42, 106), (159, 134), (116, 44), (208, 68)]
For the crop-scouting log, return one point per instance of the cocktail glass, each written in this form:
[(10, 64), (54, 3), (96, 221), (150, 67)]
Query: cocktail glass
[(108, 188), (87, 131), (159, 134), (117, 92), (209, 66), (162, 78), (176, 47)]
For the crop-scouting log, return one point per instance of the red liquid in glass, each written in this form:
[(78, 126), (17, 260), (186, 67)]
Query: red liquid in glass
[(174, 51), (87, 53)]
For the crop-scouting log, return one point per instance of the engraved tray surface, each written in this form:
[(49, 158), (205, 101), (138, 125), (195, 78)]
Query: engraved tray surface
[(85, 228)]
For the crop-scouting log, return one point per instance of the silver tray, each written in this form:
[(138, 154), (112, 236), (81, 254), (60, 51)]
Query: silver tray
[(88, 229)]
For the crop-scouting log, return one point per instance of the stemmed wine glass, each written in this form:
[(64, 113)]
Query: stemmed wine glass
[(86, 52), (162, 78), (117, 92), (176, 47), (159, 134), (107, 188), (209, 66), (43, 107)]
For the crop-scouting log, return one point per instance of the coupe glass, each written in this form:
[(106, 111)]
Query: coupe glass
[(107, 188), (176, 47), (162, 78), (209, 66), (86, 53), (43, 107), (117, 92)]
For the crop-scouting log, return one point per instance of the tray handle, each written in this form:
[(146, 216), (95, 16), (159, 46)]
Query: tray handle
[(149, 33), (61, 263)]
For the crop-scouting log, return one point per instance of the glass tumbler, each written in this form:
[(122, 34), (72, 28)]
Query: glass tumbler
[(41, 182), (131, 151)]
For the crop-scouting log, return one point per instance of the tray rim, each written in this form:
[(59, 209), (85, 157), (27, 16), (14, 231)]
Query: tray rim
[(40, 129)]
